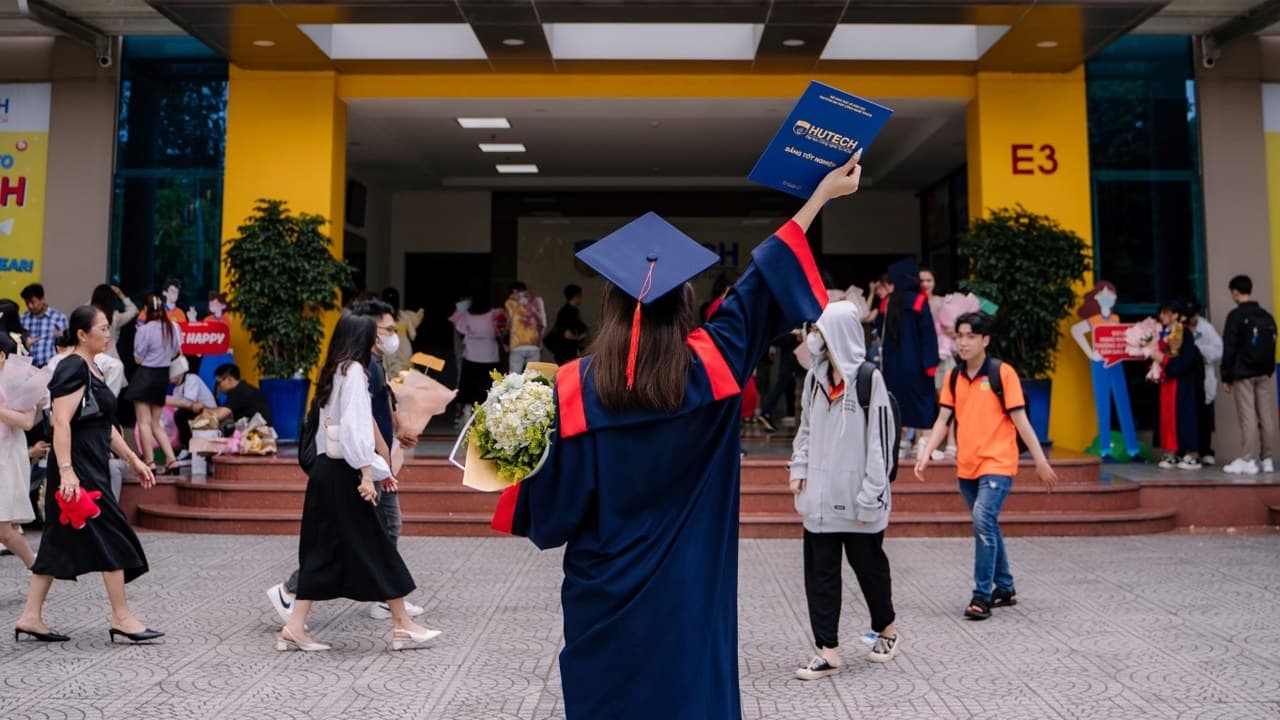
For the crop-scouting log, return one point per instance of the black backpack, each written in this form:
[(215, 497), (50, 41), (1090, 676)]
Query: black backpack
[(867, 371), (997, 387), (1258, 338), (307, 439)]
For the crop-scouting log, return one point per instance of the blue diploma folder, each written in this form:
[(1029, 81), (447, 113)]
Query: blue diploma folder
[(824, 128)]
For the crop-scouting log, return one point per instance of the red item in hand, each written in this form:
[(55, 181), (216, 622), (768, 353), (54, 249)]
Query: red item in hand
[(78, 512)]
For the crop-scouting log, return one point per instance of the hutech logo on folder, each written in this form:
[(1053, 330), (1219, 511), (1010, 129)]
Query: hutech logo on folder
[(824, 128)]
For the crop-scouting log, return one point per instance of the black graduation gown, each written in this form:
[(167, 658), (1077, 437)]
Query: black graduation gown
[(647, 506)]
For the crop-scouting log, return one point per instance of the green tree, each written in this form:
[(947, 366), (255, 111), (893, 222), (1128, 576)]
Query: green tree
[(282, 277), (1029, 265)]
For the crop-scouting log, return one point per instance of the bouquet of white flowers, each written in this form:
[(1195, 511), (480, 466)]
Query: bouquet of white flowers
[(509, 434)]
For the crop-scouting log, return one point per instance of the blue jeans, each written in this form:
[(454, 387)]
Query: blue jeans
[(1108, 385), (985, 496)]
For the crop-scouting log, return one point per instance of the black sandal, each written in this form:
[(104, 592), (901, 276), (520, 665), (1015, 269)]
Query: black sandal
[(979, 609), (1004, 598)]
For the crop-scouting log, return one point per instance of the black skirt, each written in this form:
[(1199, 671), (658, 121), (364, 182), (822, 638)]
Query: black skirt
[(344, 550), (475, 383), (148, 385)]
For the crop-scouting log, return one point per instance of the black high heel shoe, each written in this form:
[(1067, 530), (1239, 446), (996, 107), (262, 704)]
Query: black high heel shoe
[(138, 637), (48, 637)]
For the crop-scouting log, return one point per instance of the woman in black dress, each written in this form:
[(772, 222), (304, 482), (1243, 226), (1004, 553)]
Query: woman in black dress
[(344, 550), (82, 445)]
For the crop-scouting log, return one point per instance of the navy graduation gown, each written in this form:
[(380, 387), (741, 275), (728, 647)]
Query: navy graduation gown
[(909, 358), (647, 506)]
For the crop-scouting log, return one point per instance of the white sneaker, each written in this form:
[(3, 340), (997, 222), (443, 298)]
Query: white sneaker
[(1209, 460), (281, 600), (1268, 466), (1234, 467), (1168, 462), (381, 611), (885, 649), (1189, 462), (817, 668), (1248, 467)]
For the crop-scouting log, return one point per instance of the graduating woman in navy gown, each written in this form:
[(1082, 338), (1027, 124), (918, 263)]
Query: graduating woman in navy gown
[(641, 485), (909, 355)]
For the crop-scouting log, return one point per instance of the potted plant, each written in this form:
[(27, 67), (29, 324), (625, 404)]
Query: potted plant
[(282, 277), (1028, 265)]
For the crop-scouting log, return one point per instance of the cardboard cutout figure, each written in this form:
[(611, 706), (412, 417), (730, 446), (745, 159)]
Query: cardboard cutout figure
[(1108, 377)]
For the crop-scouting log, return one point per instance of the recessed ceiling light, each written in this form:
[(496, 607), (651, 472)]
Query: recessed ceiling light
[(265, 43), (881, 41), (512, 42), (1047, 44), (505, 169), (502, 147), (396, 41), (793, 42), (489, 123)]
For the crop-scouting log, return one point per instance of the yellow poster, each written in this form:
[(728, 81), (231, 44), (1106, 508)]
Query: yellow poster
[(24, 152)]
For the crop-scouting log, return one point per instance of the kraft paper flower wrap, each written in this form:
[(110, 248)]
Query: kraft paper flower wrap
[(509, 435)]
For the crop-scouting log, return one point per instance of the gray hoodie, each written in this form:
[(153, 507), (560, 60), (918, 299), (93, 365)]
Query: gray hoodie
[(842, 452)]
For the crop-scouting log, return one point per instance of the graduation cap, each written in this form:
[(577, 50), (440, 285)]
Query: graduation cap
[(646, 259)]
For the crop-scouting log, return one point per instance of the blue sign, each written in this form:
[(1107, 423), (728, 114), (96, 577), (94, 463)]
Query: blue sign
[(824, 128)]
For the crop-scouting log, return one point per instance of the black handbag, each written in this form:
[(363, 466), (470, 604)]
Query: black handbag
[(89, 409)]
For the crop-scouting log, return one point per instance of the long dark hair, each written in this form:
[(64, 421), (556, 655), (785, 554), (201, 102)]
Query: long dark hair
[(104, 298), (662, 363), (81, 320), (1091, 308), (352, 341), (153, 311), (11, 320)]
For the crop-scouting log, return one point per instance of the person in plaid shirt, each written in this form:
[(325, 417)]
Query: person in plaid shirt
[(43, 323)]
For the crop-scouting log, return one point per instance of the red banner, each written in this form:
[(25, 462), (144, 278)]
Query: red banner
[(1109, 342), (205, 338)]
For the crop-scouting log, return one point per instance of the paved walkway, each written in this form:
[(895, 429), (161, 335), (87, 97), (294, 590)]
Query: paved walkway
[(1186, 628)]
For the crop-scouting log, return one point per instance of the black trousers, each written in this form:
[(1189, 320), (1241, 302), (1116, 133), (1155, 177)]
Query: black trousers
[(822, 560), (182, 418)]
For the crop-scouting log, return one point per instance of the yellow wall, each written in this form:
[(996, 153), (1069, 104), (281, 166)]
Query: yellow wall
[(286, 139), (1039, 110), (1271, 125)]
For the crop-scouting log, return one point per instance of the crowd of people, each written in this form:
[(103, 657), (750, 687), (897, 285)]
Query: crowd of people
[(651, 537), (113, 370)]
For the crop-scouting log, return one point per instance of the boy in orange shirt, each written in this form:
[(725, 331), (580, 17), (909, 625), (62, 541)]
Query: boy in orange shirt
[(987, 430)]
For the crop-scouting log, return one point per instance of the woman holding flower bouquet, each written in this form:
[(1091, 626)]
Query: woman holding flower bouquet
[(344, 549), (641, 483)]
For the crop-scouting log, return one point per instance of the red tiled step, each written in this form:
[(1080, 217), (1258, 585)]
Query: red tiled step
[(1013, 524), (912, 496), (175, 518)]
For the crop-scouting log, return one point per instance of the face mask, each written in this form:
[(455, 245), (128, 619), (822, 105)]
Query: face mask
[(1106, 302), (390, 344), (815, 344), (463, 305)]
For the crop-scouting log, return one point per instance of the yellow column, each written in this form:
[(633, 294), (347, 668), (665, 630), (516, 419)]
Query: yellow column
[(1271, 126), (1029, 144), (287, 140)]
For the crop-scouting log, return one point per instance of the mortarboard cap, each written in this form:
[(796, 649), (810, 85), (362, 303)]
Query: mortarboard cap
[(648, 258)]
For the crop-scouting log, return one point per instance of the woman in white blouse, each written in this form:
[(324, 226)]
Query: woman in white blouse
[(344, 550)]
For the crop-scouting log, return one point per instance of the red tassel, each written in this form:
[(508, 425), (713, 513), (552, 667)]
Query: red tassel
[(634, 350)]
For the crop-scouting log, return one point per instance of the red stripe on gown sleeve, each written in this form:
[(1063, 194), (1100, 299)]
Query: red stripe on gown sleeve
[(793, 237), (504, 515), (573, 415), (723, 384)]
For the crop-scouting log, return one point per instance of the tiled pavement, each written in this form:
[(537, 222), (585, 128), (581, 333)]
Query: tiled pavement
[(1185, 628)]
